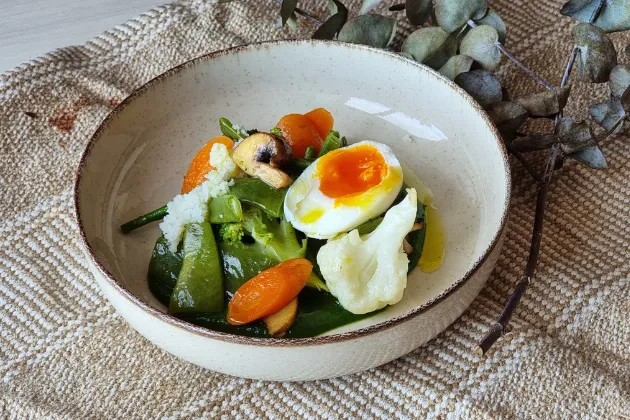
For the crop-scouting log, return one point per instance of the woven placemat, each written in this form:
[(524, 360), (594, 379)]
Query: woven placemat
[(65, 353)]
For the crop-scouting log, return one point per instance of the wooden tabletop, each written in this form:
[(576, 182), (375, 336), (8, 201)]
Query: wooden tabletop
[(31, 28)]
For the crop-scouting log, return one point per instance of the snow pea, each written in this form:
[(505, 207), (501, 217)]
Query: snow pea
[(225, 209), (255, 192), (163, 270), (199, 286), (240, 263)]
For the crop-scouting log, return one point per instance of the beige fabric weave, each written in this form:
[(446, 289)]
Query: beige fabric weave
[(64, 353)]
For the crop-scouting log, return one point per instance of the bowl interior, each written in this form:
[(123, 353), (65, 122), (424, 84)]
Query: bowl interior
[(137, 160)]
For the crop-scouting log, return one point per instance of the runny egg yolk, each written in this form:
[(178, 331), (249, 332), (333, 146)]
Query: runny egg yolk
[(350, 171)]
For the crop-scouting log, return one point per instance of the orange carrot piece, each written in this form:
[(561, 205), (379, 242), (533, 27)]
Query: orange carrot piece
[(300, 133), (322, 120), (200, 165), (269, 291)]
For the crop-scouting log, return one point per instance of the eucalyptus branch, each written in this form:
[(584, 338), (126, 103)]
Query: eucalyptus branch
[(519, 156), (516, 61), (305, 14), (500, 327)]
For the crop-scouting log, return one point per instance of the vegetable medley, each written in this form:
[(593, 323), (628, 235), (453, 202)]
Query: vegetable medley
[(290, 232)]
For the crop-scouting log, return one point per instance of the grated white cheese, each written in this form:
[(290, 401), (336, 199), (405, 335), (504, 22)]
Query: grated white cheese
[(193, 206)]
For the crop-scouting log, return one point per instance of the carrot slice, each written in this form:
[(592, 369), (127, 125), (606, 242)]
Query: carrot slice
[(269, 291), (322, 120), (300, 133), (200, 165)]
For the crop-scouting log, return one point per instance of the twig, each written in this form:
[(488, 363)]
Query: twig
[(569, 67), (499, 328), (305, 14), (519, 156), (516, 61)]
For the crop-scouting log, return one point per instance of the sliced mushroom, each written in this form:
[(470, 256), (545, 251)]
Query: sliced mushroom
[(260, 155), (281, 321)]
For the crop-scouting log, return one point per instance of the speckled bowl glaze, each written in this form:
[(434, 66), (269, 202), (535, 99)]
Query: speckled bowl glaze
[(137, 158)]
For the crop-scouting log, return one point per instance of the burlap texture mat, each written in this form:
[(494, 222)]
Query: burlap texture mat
[(65, 353)]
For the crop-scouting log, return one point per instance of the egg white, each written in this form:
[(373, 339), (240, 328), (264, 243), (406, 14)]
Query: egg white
[(312, 212)]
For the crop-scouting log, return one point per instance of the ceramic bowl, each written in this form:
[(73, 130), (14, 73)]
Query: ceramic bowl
[(136, 159)]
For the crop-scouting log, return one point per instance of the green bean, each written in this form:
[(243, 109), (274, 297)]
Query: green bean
[(332, 142), (152, 216), (310, 153)]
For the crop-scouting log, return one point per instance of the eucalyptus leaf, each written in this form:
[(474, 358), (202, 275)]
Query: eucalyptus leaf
[(580, 136), (546, 103), (287, 9), (406, 55), (608, 113), (418, 11), (619, 80), (625, 100), (426, 42), (533, 142), (333, 25), (508, 117), (332, 7), (480, 43), (564, 126), (292, 22), (482, 85), (453, 14), (374, 30), (614, 16), (368, 5), (493, 19), (456, 65), (591, 156), (596, 53)]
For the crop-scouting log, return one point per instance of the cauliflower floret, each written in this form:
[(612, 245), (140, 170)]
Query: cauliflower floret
[(370, 272), (193, 206)]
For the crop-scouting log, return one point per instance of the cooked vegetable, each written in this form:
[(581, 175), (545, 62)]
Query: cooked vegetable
[(269, 292), (369, 226), (299, 132), (279, 322), (370, 272), (229, 130), (225, 209), (200, 165), (416, 238), (145, 219), (261, 155), (255, 192), (199, 286), (311, 153), (298, 165), (163, 270), (322, 120), (332, 142), (241, 262), (231, 232)]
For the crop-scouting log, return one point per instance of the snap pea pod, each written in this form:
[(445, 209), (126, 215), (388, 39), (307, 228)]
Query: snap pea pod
[(255, 192), (225, 209), (332, 142), (163, 270), (199, 286), (240, 263)]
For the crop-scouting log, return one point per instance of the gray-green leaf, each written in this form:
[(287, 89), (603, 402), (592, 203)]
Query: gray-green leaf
[(533, 142), (546, 103), (614, 16), (482, 85), (368, 5), (608, 113), (456, 65), (591, 156), (619, 80), (480, 43), (580, 136), (493, 19), (453, 14), (564, 126), (332, 26), (418, 11), (596, 55), (287, 9), (431, 45), (374, 30), (508, 117)]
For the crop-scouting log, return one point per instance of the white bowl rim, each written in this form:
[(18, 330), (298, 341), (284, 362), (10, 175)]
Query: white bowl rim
[(293, 342)]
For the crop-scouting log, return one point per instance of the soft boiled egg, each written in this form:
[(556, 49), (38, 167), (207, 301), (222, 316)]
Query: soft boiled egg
[(343, 189)]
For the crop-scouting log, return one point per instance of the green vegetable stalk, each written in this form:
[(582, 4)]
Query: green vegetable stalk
[(152, 216), (332, 142)]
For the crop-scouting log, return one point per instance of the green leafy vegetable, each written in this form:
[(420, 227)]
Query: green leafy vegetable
[(333, 141), (228, 130), (255, 192)]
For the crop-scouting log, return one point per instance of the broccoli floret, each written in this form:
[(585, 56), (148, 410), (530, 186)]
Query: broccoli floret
[(231, 232), (276, 132), (277, 240)]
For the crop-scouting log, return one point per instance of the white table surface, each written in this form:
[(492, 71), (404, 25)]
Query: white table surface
[(31, 28)]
